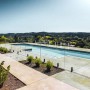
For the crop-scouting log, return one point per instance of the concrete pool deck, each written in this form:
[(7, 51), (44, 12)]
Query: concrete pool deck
[(33, 79), (73, 79)]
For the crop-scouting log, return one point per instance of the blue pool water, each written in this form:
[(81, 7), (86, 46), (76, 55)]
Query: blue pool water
[(51, 52)]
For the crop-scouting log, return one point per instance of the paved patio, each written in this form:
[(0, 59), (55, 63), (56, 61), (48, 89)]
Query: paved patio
[(73, 79), (48, 84), (33, 79)]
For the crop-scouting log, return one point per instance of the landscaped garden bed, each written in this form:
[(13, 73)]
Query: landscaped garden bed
[(12, 83), (47, 68), (7, 80)]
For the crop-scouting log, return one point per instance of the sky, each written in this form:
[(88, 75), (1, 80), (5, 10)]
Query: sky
[(20, 16)]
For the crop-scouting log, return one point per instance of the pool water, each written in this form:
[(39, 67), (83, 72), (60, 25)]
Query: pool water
[(52, 53)]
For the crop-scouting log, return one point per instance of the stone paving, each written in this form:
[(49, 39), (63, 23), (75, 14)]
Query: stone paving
[(48, 84), (33, 79), (73, 79)]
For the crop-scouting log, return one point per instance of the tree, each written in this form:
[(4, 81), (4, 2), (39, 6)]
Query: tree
[(16, 38), (3, 39), (80, 44), (11, 40)]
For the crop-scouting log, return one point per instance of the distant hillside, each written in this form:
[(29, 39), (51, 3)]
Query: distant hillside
[(80, 39), (80, 34)]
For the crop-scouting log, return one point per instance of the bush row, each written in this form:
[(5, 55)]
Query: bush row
[(38, 62), (3, 50)]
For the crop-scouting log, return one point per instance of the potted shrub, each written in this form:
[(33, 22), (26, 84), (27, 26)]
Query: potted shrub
[(30, 59), (38, 62), (49, 65), (3, 74)]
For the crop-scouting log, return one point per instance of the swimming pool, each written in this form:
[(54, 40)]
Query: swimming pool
[(54, 52)]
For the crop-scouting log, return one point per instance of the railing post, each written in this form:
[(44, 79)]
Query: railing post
[(44, 61), (57, 65), (71, 69)]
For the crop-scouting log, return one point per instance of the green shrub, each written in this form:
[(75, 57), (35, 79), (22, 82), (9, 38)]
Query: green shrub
[(49, 65), (3, 50), (3, 73), (38, 62), (30, 59)]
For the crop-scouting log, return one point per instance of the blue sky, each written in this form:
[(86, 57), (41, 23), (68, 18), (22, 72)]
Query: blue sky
[(18, 16)]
